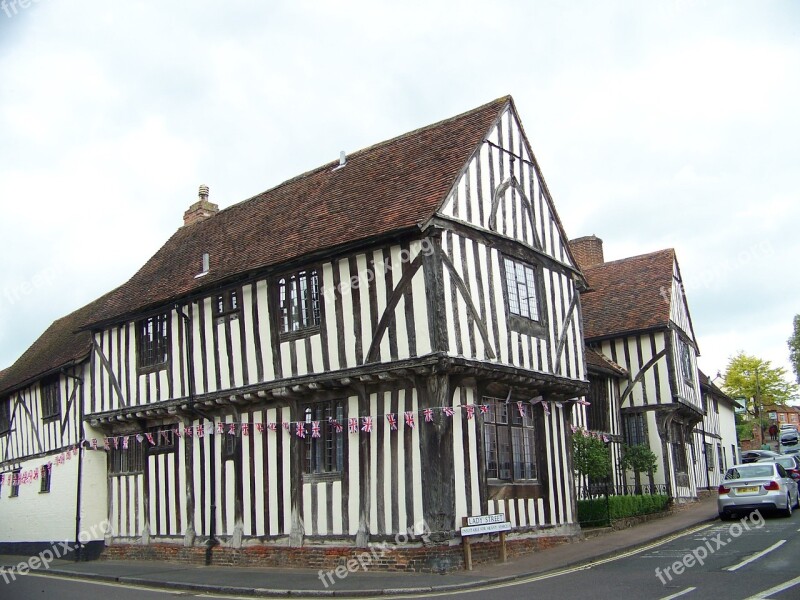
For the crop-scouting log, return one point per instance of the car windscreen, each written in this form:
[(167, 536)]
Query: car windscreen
[(749, 471)]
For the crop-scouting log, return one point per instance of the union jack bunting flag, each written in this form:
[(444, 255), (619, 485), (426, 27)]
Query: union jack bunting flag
[(448, 411), (260, 427), (150, 439), (470, 410), (220, 427), (94, 443), (337, 427), (232, 428), (546, 408), (484, 409), (583, 402), (301, 430), (367, 424), (286, 426), (392, 418), (245, 428), (428, 415), (409, 415), (106, 444), (201, 431), (176, 432), (315, 429), (272, 426), (125, 442), (521, 409), (353, 425), (116, 443)]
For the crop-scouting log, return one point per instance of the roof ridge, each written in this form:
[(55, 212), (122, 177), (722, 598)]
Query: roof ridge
[(631, 258)]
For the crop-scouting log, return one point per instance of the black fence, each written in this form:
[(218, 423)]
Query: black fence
[(600, 490)]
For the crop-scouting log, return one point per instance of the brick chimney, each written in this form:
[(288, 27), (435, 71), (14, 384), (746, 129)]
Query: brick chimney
[(200, 210), (587, 250)]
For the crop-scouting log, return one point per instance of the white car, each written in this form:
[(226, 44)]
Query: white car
[(756, 486)]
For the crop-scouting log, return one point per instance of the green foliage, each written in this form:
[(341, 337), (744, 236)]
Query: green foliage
[(758, 382), (594, 512), (639, 459), (744, 431), (794, 348), (590, 457)]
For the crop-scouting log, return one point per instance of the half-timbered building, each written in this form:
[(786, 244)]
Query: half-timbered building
[(635, 313), (715, 441), (372, 350), (52, 488)]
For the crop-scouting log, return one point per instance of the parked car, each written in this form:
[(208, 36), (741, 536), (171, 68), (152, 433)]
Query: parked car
[(790, 462), (789, 440), (756, 486), (751, 456)]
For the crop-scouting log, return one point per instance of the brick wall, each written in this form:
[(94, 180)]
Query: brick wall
[(436, 559)]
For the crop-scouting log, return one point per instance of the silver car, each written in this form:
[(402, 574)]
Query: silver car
[(756, 486)]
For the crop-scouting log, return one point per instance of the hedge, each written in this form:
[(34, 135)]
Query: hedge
[(593, 512)]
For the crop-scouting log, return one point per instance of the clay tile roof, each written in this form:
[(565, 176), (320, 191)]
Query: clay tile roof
[(595, 361), (59, 346), (628, 295), (389, 188)]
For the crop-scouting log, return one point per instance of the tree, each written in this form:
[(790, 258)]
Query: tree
[(638, 459), (590, 457), (794, 348), (758, 382)]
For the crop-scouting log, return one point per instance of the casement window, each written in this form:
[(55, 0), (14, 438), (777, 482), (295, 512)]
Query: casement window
[(44, 479), (51, 398), (152, 341), (634, 429), (15, 474), (522, 295), (509, 442), (299, 302), (5, 416), (227, 304), (597, 413), (708, 451), (721, 457), (686, 362), (164, 440), (323, 445), (126, 461)]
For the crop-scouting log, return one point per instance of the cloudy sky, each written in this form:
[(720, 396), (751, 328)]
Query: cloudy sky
[(656, 124)]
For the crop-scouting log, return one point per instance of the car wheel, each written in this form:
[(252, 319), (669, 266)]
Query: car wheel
[(787, 512)]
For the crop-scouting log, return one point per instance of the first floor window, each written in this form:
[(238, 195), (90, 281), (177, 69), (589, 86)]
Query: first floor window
[(510, 441), (226, 304), (324, 440), (44, 478), (721, 457), (299, 301), (51, 398), (521, 289), (634, 429), (229, 444), (686, 361), (152, 341), (5, 416)]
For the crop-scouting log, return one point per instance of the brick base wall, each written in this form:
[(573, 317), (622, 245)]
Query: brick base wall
[(376, 557)]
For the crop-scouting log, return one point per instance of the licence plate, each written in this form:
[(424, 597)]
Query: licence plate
[(748, 490)]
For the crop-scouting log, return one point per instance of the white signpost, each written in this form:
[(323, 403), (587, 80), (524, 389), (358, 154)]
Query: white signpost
[(482, 524)]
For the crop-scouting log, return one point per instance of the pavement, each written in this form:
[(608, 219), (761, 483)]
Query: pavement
[(273, 582)]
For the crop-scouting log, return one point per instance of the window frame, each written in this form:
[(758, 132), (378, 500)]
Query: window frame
[(15, 473), (127, 461), (323, 458), (637, 434), (289, 328), (50, 398), (708, 450), (599, 408), (516, 320), (45, 475), (227, 305), (685, 359), (523, 448), (680, 461), (148, 352), (5, 416), (229, 447)]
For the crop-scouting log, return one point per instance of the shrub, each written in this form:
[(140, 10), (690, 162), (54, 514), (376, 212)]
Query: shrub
[(593, 512)]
